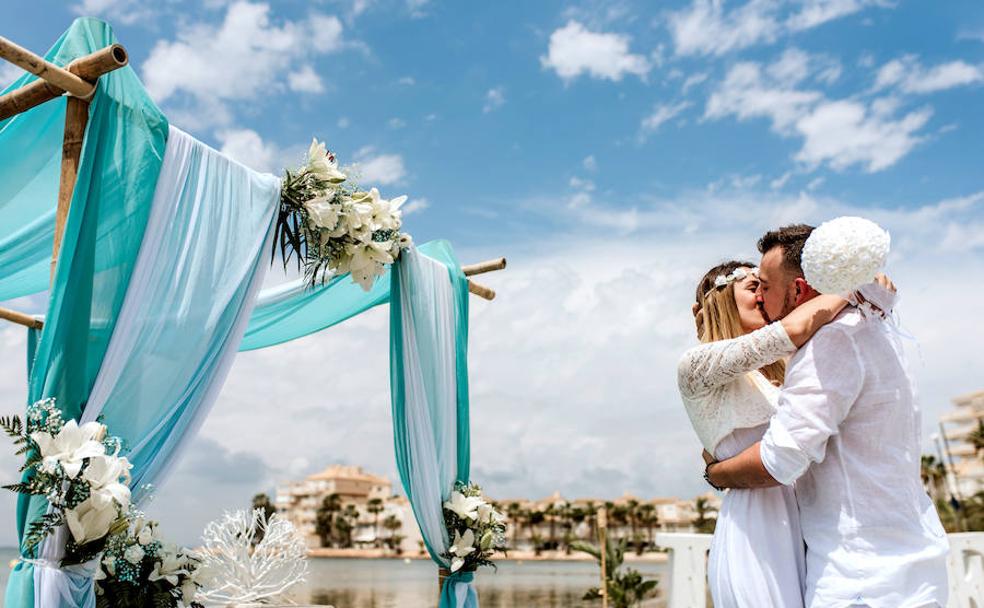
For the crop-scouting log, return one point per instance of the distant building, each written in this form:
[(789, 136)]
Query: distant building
[(300, 500), (965, 467)]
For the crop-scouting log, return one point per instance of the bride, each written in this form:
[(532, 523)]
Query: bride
[(729, 385)]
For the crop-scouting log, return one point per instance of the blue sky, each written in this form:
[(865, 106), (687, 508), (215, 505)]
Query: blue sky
[(612, 150)]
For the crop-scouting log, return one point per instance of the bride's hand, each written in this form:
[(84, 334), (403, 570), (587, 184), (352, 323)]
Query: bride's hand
[(883, 280)]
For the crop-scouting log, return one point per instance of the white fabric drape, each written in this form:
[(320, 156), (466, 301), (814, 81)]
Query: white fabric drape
[(195, 282)]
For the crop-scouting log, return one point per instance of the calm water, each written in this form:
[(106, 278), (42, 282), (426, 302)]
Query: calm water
[(365, 583)]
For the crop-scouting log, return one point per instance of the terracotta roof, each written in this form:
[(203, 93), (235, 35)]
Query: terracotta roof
[(353, 473)]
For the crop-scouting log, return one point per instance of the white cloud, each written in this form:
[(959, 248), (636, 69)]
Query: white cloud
[(9, 73), (844, 133), (379, 169), (396, 123), (245, 57), (662, 113), (417, 8), (415, 206), (693, 80), (911, 77), (839, 133), (707, 28), (574, 50), (123, 12), (305, 80), (407, 81), (343, 122), (817, 12), (589, 163), (495, 98), (247, 147)]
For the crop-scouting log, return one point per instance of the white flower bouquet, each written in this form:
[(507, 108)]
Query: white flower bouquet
[(138, 569), (331, 227), (843, 254), (476, 529), (79, 471)]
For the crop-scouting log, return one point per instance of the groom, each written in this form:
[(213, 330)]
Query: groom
[(847, 433)]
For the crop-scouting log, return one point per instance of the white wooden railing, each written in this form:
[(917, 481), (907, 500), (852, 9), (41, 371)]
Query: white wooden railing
[(688, 569)]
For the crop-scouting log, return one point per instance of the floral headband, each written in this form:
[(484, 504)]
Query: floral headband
[(736, 275)]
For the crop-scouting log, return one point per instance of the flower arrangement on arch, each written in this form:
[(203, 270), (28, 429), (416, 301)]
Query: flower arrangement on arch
[(476, 529), (330, 227), (79, 470), (139, 569)]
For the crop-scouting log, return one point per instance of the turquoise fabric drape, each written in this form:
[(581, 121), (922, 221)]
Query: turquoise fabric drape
[(293, 310), (120, 161), (429, 394)]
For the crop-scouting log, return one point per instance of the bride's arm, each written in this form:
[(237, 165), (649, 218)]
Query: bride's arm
[(713, 364), (807, 318)]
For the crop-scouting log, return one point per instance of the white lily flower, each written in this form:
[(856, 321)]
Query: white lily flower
[(322, 164), (92, 518), (107, 470), (466, 507), (146, 535), (70, 446), (463, 545), (169, 569), (323, 212)]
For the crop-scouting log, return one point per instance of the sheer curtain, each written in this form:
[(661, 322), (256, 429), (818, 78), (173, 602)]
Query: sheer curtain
[(429, 384)]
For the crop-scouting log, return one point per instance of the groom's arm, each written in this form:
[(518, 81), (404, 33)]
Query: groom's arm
[(822, 383)]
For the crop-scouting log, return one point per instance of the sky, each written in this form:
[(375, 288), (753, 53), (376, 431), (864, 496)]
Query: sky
[(612, 151)]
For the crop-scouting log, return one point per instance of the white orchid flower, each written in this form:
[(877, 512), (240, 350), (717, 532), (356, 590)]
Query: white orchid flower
[(466, 507), (322, 164), (463, 545), (92, 518), (70, 446)]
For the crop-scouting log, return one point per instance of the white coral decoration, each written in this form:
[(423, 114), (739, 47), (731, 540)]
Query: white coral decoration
[(843, 254), (234, 571)]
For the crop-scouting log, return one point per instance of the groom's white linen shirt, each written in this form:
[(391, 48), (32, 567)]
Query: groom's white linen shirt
[(847, 432)]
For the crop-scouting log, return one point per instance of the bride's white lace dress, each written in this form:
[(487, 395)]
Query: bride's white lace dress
[(757, 556)]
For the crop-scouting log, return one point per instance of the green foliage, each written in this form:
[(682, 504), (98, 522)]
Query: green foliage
[(626, 587)]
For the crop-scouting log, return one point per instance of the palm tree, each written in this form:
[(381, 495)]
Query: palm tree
[(703, 523), (325, 518), (625, 588), (375, 507), (933, 475), (262, 502), (649, 518), (392, 523), (515, 512), (976, 438)]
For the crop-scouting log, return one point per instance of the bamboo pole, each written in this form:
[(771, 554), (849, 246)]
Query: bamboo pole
[(442, 574), (20, 318), (76, 118), (481, 290), (59, 77), (483, 267), (89, 68)]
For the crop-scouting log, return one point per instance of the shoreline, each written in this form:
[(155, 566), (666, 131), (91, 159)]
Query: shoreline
[(514, 556)]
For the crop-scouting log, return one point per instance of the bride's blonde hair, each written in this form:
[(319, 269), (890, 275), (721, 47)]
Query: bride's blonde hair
[(716, 313)]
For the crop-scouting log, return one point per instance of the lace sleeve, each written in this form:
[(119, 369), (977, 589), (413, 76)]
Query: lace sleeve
[(708, 366)]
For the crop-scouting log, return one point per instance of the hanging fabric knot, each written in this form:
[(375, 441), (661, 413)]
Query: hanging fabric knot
[(458, 591)]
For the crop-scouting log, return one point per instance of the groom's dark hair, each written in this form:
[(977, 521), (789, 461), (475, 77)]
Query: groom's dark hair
[(791, 239)]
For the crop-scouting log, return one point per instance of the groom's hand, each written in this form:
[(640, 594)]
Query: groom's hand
[(708, 458), (742, 471)]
